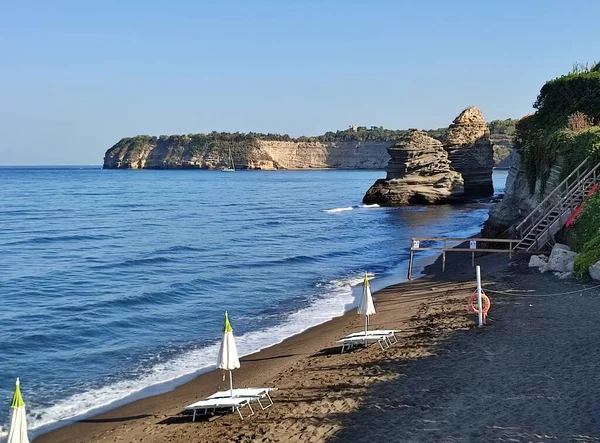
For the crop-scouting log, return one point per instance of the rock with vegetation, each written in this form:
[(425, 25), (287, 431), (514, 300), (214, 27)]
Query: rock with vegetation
[(355, 148), (470, 152), (550, 144), (358, 147), (418, 172)]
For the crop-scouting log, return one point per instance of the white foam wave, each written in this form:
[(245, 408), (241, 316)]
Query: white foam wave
[(335, 210), (350, 208), (338, 297)]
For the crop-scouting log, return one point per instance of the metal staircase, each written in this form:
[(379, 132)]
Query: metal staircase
[(539, 227)]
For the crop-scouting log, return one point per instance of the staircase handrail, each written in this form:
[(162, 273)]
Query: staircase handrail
[(566, 199), (556, 191)]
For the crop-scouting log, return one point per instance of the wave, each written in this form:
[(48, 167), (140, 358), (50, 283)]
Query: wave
[(59, 239), (350, 208), (135, 262), (335, 298)]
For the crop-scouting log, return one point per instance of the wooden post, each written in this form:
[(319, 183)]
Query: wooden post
[(510, 253), (473, 258), (410, 262)]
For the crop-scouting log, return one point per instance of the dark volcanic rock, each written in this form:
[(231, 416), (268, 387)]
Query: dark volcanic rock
[(418, 172)]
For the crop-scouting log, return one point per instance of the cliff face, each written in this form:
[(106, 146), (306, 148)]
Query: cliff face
[(418, 172), (339, 155), (518, 199), (470, 152), (181, 152)]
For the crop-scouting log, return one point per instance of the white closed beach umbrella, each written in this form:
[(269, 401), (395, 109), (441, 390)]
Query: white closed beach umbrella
[(228, 356), (18, 421), (366, 306)]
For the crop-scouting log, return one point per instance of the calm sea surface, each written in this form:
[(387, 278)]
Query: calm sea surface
[(115, 282)]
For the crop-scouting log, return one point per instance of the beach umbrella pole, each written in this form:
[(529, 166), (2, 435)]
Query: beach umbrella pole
[(231, 384)]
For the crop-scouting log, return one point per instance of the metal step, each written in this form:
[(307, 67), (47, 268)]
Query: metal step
[(557, 207)]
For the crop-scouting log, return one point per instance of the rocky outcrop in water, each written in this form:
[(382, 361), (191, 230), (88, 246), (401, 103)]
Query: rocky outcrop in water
[(470, 152), (418, 172), (425, 170)]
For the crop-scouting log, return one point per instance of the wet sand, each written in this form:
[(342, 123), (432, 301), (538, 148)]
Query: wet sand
[(529, 375)]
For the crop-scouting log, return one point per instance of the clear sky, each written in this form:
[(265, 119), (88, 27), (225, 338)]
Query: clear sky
[(76, 76)]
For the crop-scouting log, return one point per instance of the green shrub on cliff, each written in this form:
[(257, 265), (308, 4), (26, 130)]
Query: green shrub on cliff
[(587, 236), (543, 136), (586, 258), (587, 225), (502, 127)]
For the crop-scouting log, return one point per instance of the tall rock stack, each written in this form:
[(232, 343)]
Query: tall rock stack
[(470, 152), (418, 172)]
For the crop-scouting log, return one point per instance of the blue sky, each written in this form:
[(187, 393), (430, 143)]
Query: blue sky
[(76, 77)]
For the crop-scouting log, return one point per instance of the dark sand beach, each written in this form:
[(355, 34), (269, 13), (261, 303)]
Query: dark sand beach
[(529, 375)]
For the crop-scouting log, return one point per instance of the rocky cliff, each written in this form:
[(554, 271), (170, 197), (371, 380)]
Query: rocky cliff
[(518, 199), (425, 170), (354, 148), (418, 172), (470, 152), (202, 151)]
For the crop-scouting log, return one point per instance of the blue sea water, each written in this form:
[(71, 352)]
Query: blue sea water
[(113, 283)]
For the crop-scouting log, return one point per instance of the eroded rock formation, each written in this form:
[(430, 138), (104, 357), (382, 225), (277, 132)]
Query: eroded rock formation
[(425, 170), (470, 152), (418, 172)]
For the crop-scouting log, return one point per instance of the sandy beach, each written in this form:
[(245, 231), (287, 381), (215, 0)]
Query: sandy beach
[(529, 375)]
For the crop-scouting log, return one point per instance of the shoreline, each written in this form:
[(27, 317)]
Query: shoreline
[(162, 388), (206, 381)]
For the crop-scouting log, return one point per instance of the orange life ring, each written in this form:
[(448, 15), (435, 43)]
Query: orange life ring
[(472, 304)]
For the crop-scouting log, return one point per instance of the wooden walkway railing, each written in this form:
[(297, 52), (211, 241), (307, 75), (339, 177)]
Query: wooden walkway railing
[(451, 244)]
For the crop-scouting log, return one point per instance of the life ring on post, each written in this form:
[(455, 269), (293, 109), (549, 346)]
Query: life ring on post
[(485, 301)]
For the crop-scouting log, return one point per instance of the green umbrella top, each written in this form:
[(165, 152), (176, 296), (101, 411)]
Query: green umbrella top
[(226, 325), (17, 400)]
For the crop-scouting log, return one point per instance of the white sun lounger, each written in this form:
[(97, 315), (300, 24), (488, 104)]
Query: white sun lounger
[(207, 405), (391, 333), (249, 393), (384, 340)]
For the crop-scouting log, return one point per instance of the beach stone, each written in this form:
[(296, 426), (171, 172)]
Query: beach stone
[(563, 275), (537, 261), (561, 246), (561, 260), (595, 270)]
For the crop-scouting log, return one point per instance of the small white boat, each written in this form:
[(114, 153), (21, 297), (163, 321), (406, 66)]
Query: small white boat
[(230, 168)]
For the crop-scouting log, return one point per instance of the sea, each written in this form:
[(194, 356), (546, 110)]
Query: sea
[(114, 283)]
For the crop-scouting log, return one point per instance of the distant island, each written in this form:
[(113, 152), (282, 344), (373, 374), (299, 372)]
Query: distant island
[(357, 147)]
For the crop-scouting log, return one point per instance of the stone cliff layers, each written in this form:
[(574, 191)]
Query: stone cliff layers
[(470, 152), (202, 151), (424, 170), (418, 172)]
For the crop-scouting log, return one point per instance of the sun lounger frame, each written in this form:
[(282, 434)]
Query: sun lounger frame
[(385, 340), (255, 394), (391, 333), (206, 406)]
